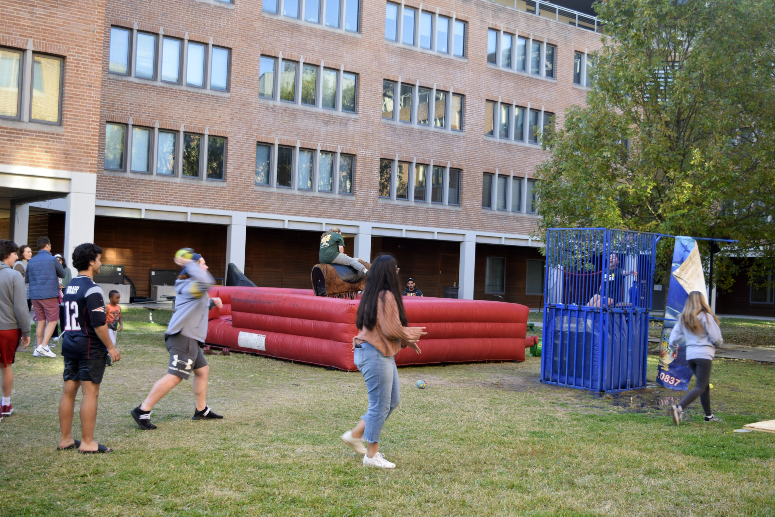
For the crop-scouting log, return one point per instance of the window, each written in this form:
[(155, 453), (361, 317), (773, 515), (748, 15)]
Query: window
[(548, 122), (351, 13), (405, 103), (453, 190), (408, 26), (306, 168), (456, 122), (291, 8), (165, 154), (492, 46), (46, 88), (764, 294), (346, 173), (195, 69), (219, 69), (437, 185), (216, 157), (426, 29), (115, 137), (460, 39), (440, 110), (192, 146), (170, 60), (506, 47), (141, 149), (312, 11), (330, 78), (549, 61), (263, 163), (423, 106), (516, 194), (487, 190), (521, 54), (118, 62), (391, 22), (285, 166), (495, 276), (533, 127), (420, 173), (326, 179), (145, 56), (348, 92), (502, 192), (270, 6), (503, 127), (535, 58), (531, 197), (388, 96), (534, 282), (402, 183), (489, 118), (309, 85), (577, 60), (266, 78), (288, 82), (332, 14), (442, 35), (519, 124), (385, 176), (10, 73)]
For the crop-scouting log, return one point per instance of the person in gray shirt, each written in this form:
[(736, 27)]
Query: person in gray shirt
[(185, 334), (14, 319)]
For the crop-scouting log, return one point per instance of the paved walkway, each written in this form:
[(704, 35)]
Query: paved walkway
[(763, 318), (762, 354)]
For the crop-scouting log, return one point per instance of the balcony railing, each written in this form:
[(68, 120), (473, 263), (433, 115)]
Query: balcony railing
[(554, 12)]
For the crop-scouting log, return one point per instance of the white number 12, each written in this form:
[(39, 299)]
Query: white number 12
[(71, 320)]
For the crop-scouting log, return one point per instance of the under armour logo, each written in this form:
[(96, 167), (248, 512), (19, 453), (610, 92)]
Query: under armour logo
[(175, 361)]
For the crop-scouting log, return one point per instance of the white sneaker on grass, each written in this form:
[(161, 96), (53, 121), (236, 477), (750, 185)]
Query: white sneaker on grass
[(355, 443), (43, 351), (379, 461)]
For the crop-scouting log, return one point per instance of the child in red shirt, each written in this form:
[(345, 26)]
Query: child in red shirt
[(113, 310)]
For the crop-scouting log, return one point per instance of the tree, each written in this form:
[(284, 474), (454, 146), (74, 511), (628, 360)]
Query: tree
[(678, 134)]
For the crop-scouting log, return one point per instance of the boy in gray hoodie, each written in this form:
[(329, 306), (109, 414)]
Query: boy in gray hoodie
[(187, 330), (14, 319)]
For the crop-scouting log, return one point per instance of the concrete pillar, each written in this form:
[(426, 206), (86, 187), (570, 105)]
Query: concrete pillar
[(467, 264), (80, 212), (21, 224), (236, 237), (363, 243)]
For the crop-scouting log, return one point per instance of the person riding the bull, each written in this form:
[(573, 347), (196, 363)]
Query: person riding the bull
[(332, 251)]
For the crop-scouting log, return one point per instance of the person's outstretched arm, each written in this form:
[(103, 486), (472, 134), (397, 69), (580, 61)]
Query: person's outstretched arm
[(390, 322)]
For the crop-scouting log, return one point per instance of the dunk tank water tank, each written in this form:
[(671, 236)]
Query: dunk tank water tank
[(598, 285)]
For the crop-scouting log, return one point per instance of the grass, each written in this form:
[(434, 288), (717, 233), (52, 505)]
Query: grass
[(482, 439), (746, 332)]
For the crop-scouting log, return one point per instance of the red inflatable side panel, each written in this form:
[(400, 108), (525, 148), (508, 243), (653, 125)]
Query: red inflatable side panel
[(295, 306)]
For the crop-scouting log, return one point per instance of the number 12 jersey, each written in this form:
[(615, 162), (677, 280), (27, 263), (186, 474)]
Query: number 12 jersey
[(84, 311)]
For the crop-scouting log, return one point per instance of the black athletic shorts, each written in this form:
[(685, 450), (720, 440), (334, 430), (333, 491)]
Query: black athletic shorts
[(185, 355), (90, 370)]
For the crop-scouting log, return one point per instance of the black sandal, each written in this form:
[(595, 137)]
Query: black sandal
[(75, 445), (100, 450)]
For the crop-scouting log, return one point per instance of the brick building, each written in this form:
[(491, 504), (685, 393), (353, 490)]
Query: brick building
[(244, 129)]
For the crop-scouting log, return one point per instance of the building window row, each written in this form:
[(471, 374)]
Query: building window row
[(507, 122), (511, 51), (422, 106), (148, 150), (582, 69), (308, 85), (425, 29), (419, 182), (297, 168), (331, 13), (168, 60), (30, 86), (508, 193)]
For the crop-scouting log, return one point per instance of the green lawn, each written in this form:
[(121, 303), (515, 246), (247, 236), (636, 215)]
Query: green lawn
[(484, 439), (748, 332)]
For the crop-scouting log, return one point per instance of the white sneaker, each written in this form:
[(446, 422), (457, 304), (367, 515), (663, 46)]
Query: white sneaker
[(43, 351), (355, 443), (378, 461)]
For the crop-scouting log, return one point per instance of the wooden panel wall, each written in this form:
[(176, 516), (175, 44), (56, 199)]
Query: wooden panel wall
[(142, 245), (51, 225), (5, 228), (434, 265), (516, 273)]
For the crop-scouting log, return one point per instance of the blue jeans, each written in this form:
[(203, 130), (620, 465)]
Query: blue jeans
[(381, 376)]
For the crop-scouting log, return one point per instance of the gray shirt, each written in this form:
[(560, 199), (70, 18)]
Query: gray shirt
[(13, 301), (698, 346), (191, 303)]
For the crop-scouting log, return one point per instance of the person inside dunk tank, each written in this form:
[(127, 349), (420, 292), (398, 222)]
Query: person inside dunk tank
[(612, 284)]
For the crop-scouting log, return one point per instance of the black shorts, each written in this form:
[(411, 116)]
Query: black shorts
[(185, 355), (90, 370)]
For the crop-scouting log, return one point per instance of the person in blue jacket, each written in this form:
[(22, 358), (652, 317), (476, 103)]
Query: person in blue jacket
[(43, 274)]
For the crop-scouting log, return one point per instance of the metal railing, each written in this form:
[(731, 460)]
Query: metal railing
[(554, 12)]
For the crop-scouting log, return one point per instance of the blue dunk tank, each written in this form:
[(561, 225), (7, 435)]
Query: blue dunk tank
[(597, 297)]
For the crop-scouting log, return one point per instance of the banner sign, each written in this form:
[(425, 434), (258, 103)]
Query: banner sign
[(687, 276)]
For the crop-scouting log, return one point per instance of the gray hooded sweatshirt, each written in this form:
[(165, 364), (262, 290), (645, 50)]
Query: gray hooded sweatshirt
[(191, 303), (13, 301)]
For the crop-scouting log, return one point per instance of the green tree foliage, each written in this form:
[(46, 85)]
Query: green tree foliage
[(678, 134)]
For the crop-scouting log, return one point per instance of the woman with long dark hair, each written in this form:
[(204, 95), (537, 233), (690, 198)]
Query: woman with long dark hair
[(383, 332)]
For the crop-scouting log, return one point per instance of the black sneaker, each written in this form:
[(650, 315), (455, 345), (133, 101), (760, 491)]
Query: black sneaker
[(143, 418), (205, 414), (712, 418)]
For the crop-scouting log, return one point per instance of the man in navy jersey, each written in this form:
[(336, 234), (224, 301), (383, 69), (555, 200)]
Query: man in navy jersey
[(86, 348)]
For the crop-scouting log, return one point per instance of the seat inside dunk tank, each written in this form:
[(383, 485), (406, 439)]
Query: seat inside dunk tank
[(296, 325)]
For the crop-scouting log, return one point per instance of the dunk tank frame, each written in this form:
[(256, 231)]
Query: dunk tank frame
[(598, 285)]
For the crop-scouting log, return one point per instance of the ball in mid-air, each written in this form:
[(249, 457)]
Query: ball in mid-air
[(421, 384), (185, 253)]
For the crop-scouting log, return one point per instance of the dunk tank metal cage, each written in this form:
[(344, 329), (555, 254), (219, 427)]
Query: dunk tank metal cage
[(598, 287)]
